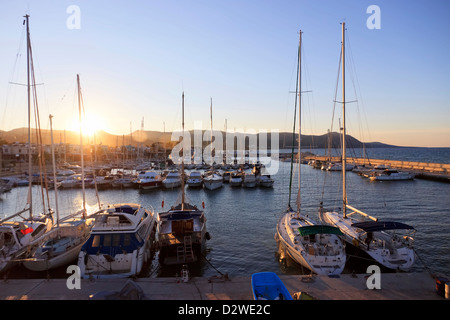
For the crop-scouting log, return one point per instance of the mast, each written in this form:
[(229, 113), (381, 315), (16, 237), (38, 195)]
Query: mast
[(30, 197), (182, 158), (299, 117), (293, 130), (54, 171), (81, 146), (344, 156), (212, 158)]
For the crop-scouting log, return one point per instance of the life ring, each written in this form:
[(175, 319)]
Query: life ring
[(207, 236)]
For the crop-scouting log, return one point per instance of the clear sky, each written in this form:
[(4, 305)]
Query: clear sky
[(136, 57)]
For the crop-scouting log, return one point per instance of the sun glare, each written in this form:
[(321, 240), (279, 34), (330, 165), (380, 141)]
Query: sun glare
[(91, 123)]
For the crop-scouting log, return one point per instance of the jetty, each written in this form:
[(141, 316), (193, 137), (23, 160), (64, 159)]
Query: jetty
[(422, 170), (393, 286)]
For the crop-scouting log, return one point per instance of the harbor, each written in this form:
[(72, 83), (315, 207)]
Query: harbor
[(199, 218)]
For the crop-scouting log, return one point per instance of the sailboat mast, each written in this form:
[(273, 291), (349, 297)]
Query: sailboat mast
[(344, 156), (299, 116), (30, 196), (182, 157), (54, 171), (81, 146)]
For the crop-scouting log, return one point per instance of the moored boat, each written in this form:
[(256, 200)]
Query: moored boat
[(120, 243)]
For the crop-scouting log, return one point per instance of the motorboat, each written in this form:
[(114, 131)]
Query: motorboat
[(120, 243), (236, 179), (265, 180), (149, 180), (212, 180), (249, 180), (194, 180), (391, 175), (172, 180)]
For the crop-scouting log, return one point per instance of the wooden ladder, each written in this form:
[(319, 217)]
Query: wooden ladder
[(189, 253)]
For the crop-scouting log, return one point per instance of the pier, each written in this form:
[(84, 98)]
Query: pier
[(422, 170), (394, 286)]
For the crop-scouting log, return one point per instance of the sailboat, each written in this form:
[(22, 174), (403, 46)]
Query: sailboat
[(19, 237), (211, 179), (316, 247), (374, 239), (182, 231), (63, 243)]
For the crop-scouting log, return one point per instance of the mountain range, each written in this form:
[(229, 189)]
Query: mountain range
[(147, 138)]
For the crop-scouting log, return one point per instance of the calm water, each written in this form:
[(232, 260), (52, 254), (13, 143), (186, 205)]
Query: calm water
[(242, 222)]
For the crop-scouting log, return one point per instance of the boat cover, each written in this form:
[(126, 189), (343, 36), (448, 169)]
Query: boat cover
[(319, 229), (372, 226)]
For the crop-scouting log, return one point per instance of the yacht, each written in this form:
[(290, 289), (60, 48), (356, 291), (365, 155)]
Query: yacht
[(120, 243), (391, 175), (212, 180), (194, 180), (149, 180), (236, 179), (249, 180), (172, 180)]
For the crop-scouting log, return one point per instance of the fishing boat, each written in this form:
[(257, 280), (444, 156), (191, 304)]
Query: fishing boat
[(317, 247), (391, 175), (194, 180), (364, 234), (18, 235), (120, 243), (268, 286), (182, 231)]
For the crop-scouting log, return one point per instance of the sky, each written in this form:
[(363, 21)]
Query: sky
[(135, 58)]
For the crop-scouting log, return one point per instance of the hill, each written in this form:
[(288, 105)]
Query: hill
[(147, 138)]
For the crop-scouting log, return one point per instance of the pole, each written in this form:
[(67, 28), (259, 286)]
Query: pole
[(30, 196), (81, 146), (344, 156), (54, 172)]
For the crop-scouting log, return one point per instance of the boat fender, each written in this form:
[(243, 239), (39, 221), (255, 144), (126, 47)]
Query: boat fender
[(207, 236), (162, 204), (203, 204)]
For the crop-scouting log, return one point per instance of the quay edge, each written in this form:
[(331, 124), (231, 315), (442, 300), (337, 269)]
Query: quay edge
[(394, 286)]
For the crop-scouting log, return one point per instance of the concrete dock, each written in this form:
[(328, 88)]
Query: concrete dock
[(394, 286)]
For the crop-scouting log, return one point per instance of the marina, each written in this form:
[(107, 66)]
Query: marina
[(288, 224)]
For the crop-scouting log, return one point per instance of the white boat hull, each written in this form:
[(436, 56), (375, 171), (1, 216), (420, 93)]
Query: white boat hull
[(401, 258)]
